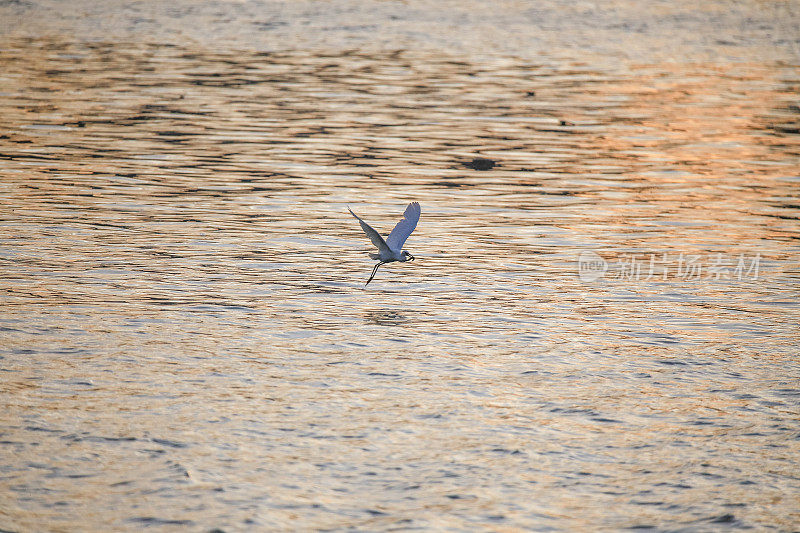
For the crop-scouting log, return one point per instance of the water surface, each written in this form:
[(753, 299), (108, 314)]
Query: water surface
[(186, 339)]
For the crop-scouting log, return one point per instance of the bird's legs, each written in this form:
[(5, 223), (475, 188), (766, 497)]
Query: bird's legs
[(374, 271)]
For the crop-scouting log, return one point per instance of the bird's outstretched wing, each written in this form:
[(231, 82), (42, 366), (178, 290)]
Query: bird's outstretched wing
[(403, 229), (373, 235)]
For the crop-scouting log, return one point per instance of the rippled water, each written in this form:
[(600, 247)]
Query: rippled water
[(186, 341)]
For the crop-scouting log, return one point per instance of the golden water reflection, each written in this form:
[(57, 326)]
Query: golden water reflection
[(187, 340)]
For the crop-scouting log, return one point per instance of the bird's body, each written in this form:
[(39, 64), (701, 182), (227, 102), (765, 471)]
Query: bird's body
[(391, 249)]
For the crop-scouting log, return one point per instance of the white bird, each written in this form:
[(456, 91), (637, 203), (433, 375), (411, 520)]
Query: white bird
[(392, 248)]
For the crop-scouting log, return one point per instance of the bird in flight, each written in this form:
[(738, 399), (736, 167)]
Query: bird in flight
[(391, 249)]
